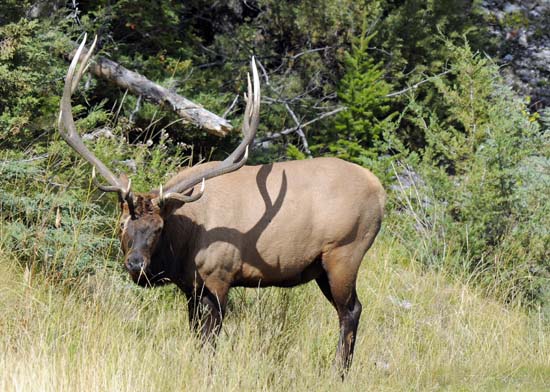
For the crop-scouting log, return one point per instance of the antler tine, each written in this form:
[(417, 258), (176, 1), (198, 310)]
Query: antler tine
[(249, 102), (239, 156), (69, 82), (251, 114), (67, 127), (104, 188), (84, 64), (178, 196)]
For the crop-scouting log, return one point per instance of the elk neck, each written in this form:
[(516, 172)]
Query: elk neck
[(176, 244)]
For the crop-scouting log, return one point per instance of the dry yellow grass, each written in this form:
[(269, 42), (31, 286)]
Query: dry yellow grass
[(419, 331)]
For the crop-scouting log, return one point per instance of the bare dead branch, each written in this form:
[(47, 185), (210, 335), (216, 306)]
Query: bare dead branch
[(139, 85), (294, 129), (299, 130), (298, 55), (230, 108), (416, 85), (299, 126)]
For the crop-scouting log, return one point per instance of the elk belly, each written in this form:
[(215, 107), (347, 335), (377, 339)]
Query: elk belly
[(255, 276)]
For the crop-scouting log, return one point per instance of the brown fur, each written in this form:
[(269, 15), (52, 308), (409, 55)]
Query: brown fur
[(281, 224)]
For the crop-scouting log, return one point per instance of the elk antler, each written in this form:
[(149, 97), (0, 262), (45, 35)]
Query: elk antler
[(67, 129), (237, 158), (179, 196)]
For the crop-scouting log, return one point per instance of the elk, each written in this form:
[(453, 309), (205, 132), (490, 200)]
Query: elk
[(219, 225)]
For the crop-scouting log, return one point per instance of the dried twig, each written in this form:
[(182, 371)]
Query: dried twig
[(287, 131), (299, 130), (230, 108), (416, 85), (31, 159)]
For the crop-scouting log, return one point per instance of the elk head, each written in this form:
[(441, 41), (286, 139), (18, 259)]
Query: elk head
[(143, 214)]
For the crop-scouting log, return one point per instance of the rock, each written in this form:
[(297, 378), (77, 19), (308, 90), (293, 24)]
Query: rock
[(510, 8), (523, 38), (130, 164), (523, 28), (543, 59), (402, 303), (534, 14), (100, 132), (382, 365)]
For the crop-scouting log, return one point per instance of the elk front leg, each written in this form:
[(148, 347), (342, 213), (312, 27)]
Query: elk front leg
[(194, 312), (213, 303)]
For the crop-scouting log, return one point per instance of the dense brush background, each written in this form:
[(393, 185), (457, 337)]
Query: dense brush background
[(456, 289)]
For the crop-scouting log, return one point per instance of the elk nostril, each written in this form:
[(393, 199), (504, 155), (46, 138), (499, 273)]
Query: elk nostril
[(135, 263)]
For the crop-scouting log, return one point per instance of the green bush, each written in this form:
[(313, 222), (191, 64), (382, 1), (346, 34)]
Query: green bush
[(45, 224), (474, 199), (50, 212), (482, 201)]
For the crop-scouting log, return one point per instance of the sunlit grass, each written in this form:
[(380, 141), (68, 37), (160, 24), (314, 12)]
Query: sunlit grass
[(419, 331)]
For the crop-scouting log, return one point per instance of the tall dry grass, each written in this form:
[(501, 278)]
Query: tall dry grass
[(419, 331)]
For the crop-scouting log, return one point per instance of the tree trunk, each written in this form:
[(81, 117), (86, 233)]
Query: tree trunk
[(139, 85)]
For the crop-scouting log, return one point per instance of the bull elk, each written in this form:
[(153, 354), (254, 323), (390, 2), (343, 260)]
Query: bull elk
[(219, 225)]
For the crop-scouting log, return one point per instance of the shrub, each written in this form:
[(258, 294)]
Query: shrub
[(485, 169)]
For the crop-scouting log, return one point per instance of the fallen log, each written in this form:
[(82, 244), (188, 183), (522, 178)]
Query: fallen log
[(139, 85)]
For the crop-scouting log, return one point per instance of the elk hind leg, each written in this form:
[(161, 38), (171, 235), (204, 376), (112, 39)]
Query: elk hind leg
[(341, 272)]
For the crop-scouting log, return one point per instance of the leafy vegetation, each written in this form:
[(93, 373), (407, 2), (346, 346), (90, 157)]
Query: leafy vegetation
[(456, 291), (475, 167)]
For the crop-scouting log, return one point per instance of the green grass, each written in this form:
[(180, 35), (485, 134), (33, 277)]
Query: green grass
[(419, 331)]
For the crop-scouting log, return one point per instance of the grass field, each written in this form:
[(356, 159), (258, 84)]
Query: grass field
[(419, 331)]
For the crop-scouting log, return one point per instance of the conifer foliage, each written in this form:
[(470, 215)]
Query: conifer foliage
[(464, 159)]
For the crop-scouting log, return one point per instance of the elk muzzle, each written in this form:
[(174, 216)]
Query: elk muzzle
[(137, 265)]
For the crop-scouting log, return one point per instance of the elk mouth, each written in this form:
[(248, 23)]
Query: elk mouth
[(147, 279), (143, 276), (140, 278)]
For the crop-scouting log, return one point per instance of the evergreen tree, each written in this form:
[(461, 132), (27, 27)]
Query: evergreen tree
[(358, 131)]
